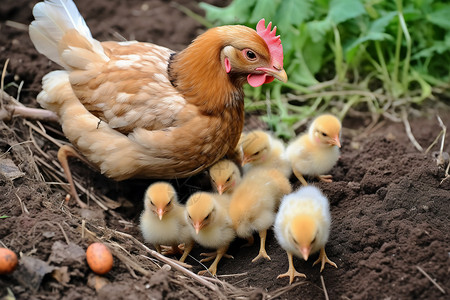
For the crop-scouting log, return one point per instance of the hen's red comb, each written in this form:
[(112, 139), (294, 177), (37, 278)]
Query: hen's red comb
[(272, 41)]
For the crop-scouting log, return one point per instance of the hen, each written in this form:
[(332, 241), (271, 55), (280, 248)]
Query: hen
[(138, 110)]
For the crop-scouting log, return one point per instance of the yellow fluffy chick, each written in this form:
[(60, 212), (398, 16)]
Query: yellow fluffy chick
[(210, 225), (162, 221), (225, 176), (302, 227), (254, 203), (260, 149), (316, 151)]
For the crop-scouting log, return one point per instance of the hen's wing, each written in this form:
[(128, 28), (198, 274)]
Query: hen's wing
[(131, 90)]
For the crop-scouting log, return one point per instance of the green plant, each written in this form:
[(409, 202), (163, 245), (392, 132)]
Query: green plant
[(383, 56)]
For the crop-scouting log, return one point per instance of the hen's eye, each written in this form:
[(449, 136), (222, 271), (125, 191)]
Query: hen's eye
[(250, 55)]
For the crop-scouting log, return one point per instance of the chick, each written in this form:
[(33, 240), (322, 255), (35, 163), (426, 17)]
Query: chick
[(260, 149), (210, 225), (317, 151), (162, 222), (302, 227), (254, 203), (225, 176)]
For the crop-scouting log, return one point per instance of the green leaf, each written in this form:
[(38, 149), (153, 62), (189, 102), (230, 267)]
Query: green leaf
[(380, 24), (4, 217), (343, 10), (293, 12), (440, 17), (238, 12), (318, 29), (264, 9)]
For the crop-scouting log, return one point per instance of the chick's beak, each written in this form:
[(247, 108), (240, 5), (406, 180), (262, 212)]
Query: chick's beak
[(336, 141), (245, 161), (160, 212), (197, 226), (278, 73), (220, 189), (305, 252)]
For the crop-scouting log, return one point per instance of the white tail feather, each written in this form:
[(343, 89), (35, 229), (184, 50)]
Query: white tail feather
[(52, 20)]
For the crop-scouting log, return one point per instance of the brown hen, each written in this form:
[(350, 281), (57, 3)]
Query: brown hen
[(138, 110)]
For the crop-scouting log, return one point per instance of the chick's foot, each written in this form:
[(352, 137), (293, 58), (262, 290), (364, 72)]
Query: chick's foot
[(212, 255), (325, 178), (262, 249), (323, 258), (300, 177), (171, 250), (291, 273), (187, 249), (218, 255)]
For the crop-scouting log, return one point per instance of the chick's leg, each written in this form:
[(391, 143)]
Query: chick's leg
[(172, 250), (213, 268), (292, 273), (300, 177), (262, 248), (325, 178), (323, 258), (211, 255), (250, 241), (187, 249), (157, 248), (63, 153)]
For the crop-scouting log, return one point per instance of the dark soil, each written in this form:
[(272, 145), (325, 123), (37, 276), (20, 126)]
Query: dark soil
[(389, 203)]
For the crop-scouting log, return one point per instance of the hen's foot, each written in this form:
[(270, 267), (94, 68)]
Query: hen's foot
[(63, 153)]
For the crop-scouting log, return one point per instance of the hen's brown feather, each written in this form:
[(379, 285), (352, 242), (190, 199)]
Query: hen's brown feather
[(133, 114)]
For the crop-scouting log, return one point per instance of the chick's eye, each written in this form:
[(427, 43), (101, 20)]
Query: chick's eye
[(324, 134), (250, 55), (313, 241), (256, 153), (207, 217), (229, 178)]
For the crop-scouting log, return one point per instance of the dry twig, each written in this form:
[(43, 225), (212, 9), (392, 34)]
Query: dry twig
[(324, 288), (409, 132), (431, 279)]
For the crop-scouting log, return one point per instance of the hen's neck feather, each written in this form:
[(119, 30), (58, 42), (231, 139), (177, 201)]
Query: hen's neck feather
[(199, 75)]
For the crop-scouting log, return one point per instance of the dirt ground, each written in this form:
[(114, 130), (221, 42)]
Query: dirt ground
[(389, 202)]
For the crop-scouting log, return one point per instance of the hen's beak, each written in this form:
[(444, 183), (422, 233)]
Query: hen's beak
[(279, 74)]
